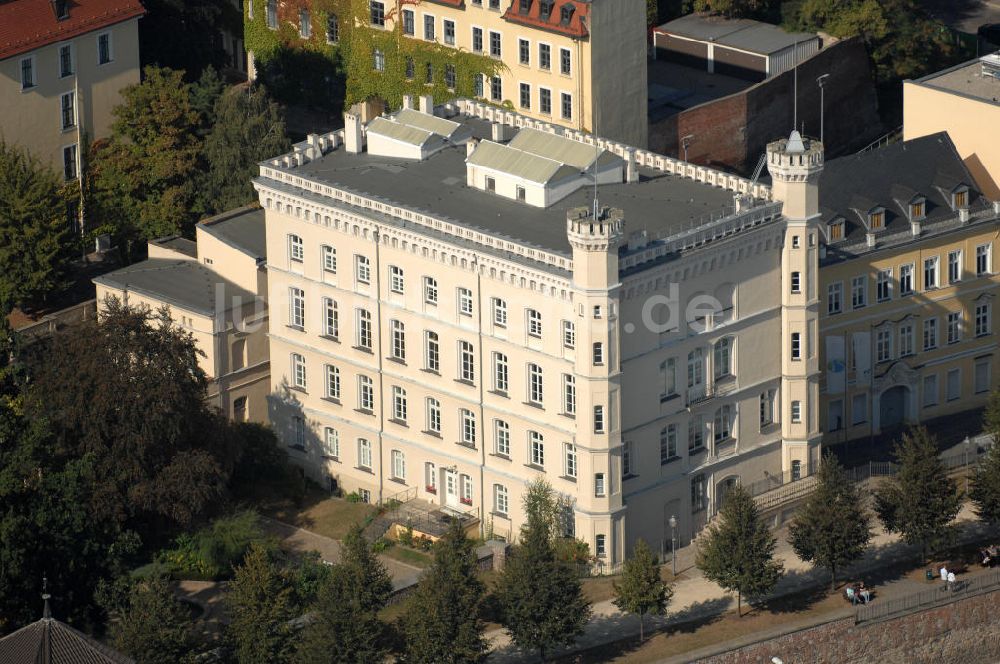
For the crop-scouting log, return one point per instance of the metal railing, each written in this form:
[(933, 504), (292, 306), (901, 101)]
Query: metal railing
[(883, 140), (881, 609)]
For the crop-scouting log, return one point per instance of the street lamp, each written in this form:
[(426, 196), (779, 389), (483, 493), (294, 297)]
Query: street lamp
[(820, 81), (673, 544), (686, 141)]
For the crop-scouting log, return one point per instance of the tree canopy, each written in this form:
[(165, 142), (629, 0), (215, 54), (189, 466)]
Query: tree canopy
[(640, 589), (985, 492), (737, 551), (261, 606), (152, 626)]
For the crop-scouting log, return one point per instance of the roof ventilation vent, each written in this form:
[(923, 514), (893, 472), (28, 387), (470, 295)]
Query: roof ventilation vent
[(991, 65)]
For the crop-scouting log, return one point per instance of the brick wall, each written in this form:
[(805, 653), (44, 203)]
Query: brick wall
[(967, 631), (732, 132)]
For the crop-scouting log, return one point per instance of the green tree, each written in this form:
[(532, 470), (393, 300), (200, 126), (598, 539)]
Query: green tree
[(141, 178), (732, 8), (737, 551), (539, 593), (152, 626), (345, 627), (641, 590), (832, 528), (985, 492), (442, 623), (920, 501), (34, 235), (260, 602), (248, 129)]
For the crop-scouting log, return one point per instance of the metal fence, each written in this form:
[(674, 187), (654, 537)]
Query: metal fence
[(936, 596)]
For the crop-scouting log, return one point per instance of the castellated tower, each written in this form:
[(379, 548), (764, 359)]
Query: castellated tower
[(795, 165), (595, 234)]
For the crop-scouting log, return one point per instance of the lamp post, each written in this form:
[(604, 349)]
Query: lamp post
[(967, 473), (686, 141), (820, 81), (673, 544)]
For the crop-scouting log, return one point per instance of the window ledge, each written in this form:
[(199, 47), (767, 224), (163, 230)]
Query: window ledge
[(431, 433), (397, 480), (297, 328), (331, 458), (329, 338), (363, 469), (500, 515), (296, 388), (500, 393), (497, 455), (669, 460), (532, 404), (569, 416), (297, 448), (364, 411), (462, 443), (397, 360), (399, 422), (535, 466), (568, 478), (630, 476), (464, 381), (696, 450), (431, 371), (664, 398), (363, 349), (332, 400)]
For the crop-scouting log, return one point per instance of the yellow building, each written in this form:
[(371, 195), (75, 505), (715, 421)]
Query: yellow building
[(62, 65), (215, 289), (965, 102), (910, 285), (579, 64)]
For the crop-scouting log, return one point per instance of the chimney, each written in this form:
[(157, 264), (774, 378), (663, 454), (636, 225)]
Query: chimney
[(408, 101), (427, 104), (314, 151), (470, 147), (963, 215), (996, 208), (353, 139), (498, 132), (334, 140), (915, 228), (870, 240), (631, 167)]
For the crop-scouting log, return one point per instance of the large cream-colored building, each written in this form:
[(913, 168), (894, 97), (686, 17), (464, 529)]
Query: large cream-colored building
[(215, 288), (965, 102), (62, 67), (910, 285), (457, 315)]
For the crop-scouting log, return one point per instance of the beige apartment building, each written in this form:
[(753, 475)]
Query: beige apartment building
[(459, 316), (62, 66), (910, 288), (965, 102), (215, 288)]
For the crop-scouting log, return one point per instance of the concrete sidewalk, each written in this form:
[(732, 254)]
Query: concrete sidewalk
[(695, 597)]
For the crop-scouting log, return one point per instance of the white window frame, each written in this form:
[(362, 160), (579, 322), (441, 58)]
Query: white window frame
[(430, 290), (397, 282), (501, 373), (397, 347), (366, 393), (296, 249), (501, 438), (111, 47), (932, 272), (955, 267), (465, 305), (569, 394), (536, 449), (433, 408), (399, 404), (499, 312), (331, 443), (364, 453), (329, 257), (468, 421), (62, 110), (466, 361), (906, 279), (432, 351), (501, 502), (362, 269), (570, 461), (296, 308), (364, 329), (983, 319), (534, 323), (332, 382), (72, 60), (984, 252), (536, 384), (298, 362), (569, 334), (835, 297)]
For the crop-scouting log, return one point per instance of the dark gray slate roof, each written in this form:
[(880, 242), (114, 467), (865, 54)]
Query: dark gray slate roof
[(49, 641), (242, 228), (182, 283), (891, 177)]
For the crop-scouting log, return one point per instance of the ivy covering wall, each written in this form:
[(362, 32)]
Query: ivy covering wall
[(287, 62)]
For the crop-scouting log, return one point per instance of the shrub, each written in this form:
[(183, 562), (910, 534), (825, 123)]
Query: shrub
[(353, 497), (212, 552), (406, 537)]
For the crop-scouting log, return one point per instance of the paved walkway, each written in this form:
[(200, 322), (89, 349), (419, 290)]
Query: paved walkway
[(695, 597)]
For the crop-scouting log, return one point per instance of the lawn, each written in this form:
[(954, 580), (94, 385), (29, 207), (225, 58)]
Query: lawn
[(409, 556), (602, 588), (319, 513)]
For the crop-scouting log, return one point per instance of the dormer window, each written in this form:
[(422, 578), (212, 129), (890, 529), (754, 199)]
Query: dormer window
[(524, 6), (960, 197), (546, 9), (566, 13), (836, 228), (918, 209), (61, 9), (876, 219)]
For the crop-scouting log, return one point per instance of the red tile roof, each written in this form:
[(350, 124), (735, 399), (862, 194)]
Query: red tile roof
[(29, 24), (574, 28)]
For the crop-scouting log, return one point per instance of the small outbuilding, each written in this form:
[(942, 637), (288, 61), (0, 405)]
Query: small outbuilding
[(741, 48)]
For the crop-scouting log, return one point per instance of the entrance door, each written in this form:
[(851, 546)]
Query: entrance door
[(451, 489), (892, 407)]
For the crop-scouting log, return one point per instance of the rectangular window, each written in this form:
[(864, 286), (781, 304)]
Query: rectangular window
[(366, 393), (466, 363), (398, 334), (27, 73), (496, 88), (859, 292), (599, 489), (796, 346), (627, 459), (796, 282), (364, 339), (796, 411), (668, 443), (501, 438), (65, 60), (984, 260), (468, 427), (364, 454), (332, 29), (272, 14), (930, 273), (329, 259), (796, 470), (363, 270), (499, 312), (905, 339), (465, 301), (983, 325), (954, 327), (433, 415), (569, 394), (767, 410), (696, 433), (859, 409), (331, 321), (600, 546), (544, 56), (954, 266), (430, 290), (569, 334), (331, 443), (501, 374), (70, 168), (534, 323), (296, 251), (536, 449), (305, 24), (398, 403), (565, 61), (598, 419), (545, 101), (883, 285), (494, 44), (432, 352), (68, 110), (525, 96), (449, 32), (535, 391), (408, 22), (523, 51), (477, 40), (396, 281), (298, 371), (378, 13), (981, 382), (906, 279), (930, 390), (567, 106), (378, 60), (296, 308), (398, 465), (500, 499), (953, 384), (834, 298), (883, 345), (298, 432), (698, 493), (428, 27), (450, 78), (569, 460), (332, 382), (930, 333), (104, 53)]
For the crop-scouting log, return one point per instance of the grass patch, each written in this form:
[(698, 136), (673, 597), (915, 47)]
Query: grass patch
[(409, 556), (319, 513)]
